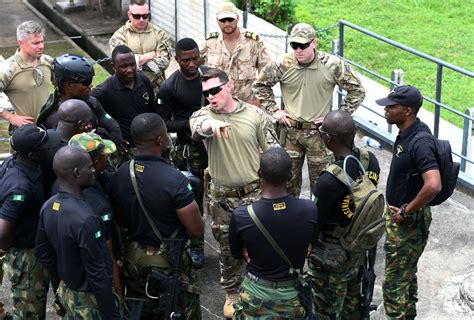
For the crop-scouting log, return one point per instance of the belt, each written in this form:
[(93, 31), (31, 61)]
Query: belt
[(274, 284), (303, 125), (237, 192)]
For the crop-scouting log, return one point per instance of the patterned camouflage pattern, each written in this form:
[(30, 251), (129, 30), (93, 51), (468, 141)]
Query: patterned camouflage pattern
[(302, 33), (309, 142), (91, 142), (137, 257), (78, 305), (404, 245), (152, 39), (221, 209), (2, 310), (336, 295), (242, 65), (343, 76), (30, 283), (260, 302)]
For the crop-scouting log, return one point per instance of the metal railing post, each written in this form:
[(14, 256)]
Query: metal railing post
[(467, 138), (335, 46), (205, 4), (397, 77), (175, 21), (341, 54), (437, 113)]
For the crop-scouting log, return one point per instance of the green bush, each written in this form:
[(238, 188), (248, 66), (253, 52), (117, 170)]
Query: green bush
[(280, 12)]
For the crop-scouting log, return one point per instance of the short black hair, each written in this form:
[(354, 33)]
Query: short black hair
[(209, 73), (121, 49), (342, 125), (275, 166), (185, 44), (146, 127), (67, 158)]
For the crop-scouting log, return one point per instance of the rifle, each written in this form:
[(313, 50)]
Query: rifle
[(171, 286), (368, 281)]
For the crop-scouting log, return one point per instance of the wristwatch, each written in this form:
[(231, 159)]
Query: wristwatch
[(402, 211)]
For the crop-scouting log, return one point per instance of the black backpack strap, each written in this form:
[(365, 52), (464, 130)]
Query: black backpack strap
[(133, 177)]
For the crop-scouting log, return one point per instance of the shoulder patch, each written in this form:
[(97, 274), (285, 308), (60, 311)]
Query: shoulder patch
[(18, 197), (279, 206), (189, 187), (98, 234), (251, 35), (139, 168), (212, 35), (56, 206)]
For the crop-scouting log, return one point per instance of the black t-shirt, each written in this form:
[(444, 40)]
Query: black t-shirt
[(163, 189), (291, 222), (181, 97), (332, 197), (21, 198), (70, 243), (49, 176), (123, 104), (404, 179)]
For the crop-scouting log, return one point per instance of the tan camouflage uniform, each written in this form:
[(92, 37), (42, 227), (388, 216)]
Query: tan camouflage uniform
[(27, 88), (307, 95), (152, 39), (233, 165), (242, 65)]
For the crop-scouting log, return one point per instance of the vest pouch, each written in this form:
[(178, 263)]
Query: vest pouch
[(328, 256)]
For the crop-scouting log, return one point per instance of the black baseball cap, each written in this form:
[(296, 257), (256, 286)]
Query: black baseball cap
[(29, 138), (407, 96)]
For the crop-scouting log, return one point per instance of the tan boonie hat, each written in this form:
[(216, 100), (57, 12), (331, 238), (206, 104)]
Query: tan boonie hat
[(93, 143), (227, 10), (302, 33)]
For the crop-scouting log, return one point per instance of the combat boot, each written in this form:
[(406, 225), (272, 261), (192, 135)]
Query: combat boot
[(231, 297)]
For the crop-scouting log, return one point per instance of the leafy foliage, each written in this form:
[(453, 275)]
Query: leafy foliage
[(280, 12)]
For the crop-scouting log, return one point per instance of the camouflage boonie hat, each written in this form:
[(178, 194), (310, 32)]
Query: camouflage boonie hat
[(93, 143), (227, 10), (302, 33)]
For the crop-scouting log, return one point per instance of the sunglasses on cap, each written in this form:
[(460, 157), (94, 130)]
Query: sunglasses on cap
[(137, 16), (213, 91), (224, 20), (302, 46)]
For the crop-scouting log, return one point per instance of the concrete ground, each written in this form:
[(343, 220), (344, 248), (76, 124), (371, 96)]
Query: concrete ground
[(445, 264)]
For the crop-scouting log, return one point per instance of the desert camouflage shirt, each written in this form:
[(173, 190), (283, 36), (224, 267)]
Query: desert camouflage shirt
[(307, 90), (242, 65), (152, 39)]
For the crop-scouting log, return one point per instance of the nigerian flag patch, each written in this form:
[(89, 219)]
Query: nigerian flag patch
[(189, 187), (18, 197), (98, 234), (314, 199)]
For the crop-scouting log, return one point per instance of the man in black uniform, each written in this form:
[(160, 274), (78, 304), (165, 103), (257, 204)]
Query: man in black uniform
[(179, 96), (70, 241), (337, 285), (127, 93), (413, 181), (73, 78), (21, 198), (167, 197), (269, 289)]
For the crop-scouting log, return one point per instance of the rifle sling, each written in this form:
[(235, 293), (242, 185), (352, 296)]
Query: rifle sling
[(133, 177), (269, 238)]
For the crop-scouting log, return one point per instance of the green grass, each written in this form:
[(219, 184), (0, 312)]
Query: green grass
[(442, 29)]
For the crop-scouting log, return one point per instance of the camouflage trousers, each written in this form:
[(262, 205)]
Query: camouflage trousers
[(2, 310), (301, 142), (404, 245), (78, 305), (136, 258), (221, 209), (336, 295), (192, 157), (261, 302), (30, 283)]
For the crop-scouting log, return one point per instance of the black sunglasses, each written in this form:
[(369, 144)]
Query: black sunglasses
[(302, 46), (214, 90), (137, 16), (85, 82), (224, 20), (322, 132)]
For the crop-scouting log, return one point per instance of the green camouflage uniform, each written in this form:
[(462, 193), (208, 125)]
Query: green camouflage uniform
[(29, 283), (261, 302), (152, 39), (242, 65), (305, 103), (136, 258), (2, 310), (404, 245), (78, 305)]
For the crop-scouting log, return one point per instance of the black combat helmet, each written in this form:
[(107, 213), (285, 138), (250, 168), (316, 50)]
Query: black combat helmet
[(72, 67)]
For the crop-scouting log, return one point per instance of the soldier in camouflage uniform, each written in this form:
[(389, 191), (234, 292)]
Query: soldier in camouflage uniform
[(26, 76), (334, 271), (21, 198), (413, 181), (149, 43), (240, 53), (233, 133), (307, 79)]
